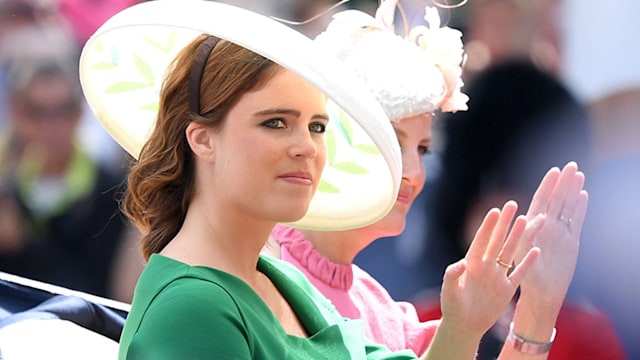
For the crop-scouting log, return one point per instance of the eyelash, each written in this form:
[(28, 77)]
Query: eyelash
[(274, 124), (323, 127), (280, 123), (424, 150)]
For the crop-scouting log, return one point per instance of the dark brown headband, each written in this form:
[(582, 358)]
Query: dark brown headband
[(197, 69)]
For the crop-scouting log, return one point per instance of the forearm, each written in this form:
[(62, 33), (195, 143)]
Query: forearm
[(452, 342), (533, 320)]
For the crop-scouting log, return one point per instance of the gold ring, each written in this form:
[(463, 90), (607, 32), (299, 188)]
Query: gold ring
[(502, 263), (566, 220)]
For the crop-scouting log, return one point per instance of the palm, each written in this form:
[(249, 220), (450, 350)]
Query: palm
[(560, 196), (476, 290)]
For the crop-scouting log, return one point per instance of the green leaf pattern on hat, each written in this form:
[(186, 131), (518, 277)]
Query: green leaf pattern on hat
[(143, 68), (341, 123)]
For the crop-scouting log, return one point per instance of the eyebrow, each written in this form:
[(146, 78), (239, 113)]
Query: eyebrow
[(296, 113), (400, 133)]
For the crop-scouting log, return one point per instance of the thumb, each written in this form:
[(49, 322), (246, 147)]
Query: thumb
[(454, 271), (528, 238), (451, 283)]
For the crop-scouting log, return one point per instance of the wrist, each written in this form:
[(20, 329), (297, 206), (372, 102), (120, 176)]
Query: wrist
[(549, 300), (458, 332), (448, 333), (536, 308), (527, 346), (535, 319)]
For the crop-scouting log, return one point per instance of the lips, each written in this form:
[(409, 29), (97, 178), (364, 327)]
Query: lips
[(298, 177), (404, 196)]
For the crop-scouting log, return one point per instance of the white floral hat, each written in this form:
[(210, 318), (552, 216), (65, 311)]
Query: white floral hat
[(122, 66), (410, 75)]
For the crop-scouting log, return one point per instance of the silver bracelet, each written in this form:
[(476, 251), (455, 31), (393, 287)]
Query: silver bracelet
[(527, 346)]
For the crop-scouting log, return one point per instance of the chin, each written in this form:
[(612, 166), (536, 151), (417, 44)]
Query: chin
[(391, 225), (288, 215)]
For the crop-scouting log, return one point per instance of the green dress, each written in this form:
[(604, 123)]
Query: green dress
[(196, 312)]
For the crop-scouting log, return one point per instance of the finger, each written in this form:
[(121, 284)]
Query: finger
[(562, 187), (540, 199), (483, 234), (527, 242), (455, 270), (451, 281), (500, 231), (452, 274), (580, 212), (519, 272), (571, 201), (514, 239)]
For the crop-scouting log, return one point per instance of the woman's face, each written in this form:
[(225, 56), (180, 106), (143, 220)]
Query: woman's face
[(414, 136), (270, 151)]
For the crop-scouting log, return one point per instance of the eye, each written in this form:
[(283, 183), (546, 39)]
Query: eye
[(317, 127), (277, 123), (423, 150)]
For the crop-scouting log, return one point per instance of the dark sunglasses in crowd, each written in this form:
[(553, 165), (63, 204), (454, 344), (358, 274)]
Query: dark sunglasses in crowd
[(65, 110)]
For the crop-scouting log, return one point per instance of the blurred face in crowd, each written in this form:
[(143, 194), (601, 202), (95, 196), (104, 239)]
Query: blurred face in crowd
[(46, 114)]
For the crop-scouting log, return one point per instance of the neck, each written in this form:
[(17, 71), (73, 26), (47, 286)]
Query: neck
[(220, 240), (341, 247)]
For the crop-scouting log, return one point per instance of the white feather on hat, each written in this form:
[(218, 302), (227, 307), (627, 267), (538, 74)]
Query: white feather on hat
[(410, 75)]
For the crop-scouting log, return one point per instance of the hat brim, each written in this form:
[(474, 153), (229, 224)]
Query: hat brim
[(122, 66)]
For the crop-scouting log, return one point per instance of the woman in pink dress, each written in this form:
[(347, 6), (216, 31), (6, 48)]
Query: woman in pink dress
[(413, 77)]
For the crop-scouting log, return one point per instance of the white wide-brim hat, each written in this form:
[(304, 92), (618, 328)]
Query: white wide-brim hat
[(123, 64)]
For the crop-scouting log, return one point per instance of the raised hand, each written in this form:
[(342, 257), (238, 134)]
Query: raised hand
[(562, 198), (477, 289)]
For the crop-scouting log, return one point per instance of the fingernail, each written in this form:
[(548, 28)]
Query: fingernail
[(539, 219)]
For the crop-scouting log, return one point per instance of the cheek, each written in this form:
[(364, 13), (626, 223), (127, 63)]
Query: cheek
[(421, 169), (421, 182), (319, 162), (322, 150), (235, 157), (321, 155)]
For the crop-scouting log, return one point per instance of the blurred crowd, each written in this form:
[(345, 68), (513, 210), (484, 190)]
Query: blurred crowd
[(549, 81), (60, 173)]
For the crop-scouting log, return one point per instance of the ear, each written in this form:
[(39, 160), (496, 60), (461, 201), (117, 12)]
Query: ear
[(200, 141)]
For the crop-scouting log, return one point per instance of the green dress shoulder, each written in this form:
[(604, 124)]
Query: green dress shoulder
[(195, 312)]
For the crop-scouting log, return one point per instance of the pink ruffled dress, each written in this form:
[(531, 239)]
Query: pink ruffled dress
[(357, 295)]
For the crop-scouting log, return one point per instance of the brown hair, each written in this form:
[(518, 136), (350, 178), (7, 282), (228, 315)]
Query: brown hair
[(161, 182)]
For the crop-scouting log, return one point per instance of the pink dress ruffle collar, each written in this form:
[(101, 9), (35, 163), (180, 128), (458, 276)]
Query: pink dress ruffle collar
[(293, 243)]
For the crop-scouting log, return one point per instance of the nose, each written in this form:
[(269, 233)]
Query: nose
[(412, 167), (303, 144)]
